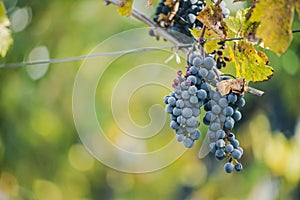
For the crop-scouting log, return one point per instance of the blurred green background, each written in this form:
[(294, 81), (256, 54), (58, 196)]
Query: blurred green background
[(42, 157)]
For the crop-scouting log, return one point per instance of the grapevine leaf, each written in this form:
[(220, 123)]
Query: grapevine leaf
[(5, 33), (149, 3), (240, 26), (250, 63), (125, 7), (275, 19), (212, 41), (212, 18), (195, 32), (297, 6)]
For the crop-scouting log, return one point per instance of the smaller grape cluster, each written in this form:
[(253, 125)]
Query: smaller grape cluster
[(183, 105), (185, 17)]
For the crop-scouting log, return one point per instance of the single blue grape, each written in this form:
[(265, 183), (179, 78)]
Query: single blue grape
[(181, 120), (215, 126), (192, 121), (187, 112), (192, 79), (180, 137), (177, 111), (205, 86), (237, 115), (216, 109), (229, 123), (193, 89), (166, 99), (169, 109), (220, 154), (240, 149), (207, 106), (196, 112), (193, 70), (232, 98), (188, 142), (211, 75), (220, 143), (193, 99), (212, 147), (228, 111), (221, 134), (228, 167), (229, 148), (236, 154), (240, 102), (172, 101), (209, 63), (197, 61), (203, 72), (223, 102), (179, 103), (238, 167), (235, 143), (196, 135), (201, 94), (192, 19), (174, 125), (185, 94)]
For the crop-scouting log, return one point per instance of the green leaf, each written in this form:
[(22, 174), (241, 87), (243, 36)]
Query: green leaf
[(275, 17), (5, 33), (125, 7), (250, 63)]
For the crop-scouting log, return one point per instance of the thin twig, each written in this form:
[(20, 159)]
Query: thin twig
[(158, 30)]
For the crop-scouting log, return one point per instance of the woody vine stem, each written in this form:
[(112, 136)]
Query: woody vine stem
[(164, 34)]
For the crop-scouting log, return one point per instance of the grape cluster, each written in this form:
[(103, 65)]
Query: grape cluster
[(197, 89), (185, 18), (222, 116)]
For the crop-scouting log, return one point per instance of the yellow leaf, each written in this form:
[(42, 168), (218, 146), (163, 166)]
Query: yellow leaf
[(250, 63), (212, 40), (5, 33), (125, 7), (195, 33), (275, 19)]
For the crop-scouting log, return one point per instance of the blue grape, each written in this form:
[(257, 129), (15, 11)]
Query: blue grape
[(209, 63), (203, 72), (229, 123), (192, 89), (172, 101), (192, 79), (232, 98), (185, 94), (228, 167), (197, 61), (228, 111), (188, 142), (240, 102), (229, 148), (215, 126), (187, 112), (237, 115), (181, 120), (238, 167), (221, 134), (193, 70), (216, 109), (177, 111), (223, 102), (191, 121), (235, 143), (196, 135), (212, 147), (220, 143), (194, 99), (236, 154), (174, 125), (169, 109), (220, 154), (179, 103), (201, 94), (180, 137)]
